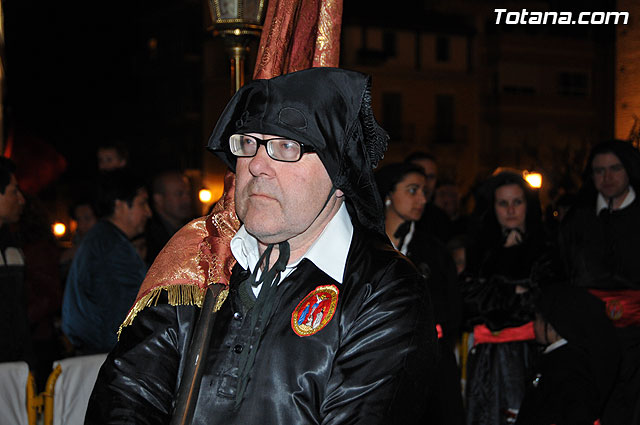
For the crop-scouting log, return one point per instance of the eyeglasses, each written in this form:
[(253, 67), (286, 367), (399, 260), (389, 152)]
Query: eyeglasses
[(278, 148)]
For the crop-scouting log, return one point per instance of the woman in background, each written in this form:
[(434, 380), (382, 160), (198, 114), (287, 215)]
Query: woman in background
[(507, 245), (402, 188)]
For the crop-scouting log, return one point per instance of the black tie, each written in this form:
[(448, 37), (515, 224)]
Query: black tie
[(261, 310)]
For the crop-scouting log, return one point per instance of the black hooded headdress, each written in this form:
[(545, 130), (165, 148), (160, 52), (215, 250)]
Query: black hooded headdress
[(327, 108), (488, 236), (485, 195), (580, 317)]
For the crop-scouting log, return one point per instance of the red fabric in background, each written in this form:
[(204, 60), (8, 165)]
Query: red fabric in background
[(483, 335), (38, 163), (622, 306)]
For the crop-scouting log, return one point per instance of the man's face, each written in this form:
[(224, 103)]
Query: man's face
[(109, 159), (278, 201), (447, 198), (136, 215), (431, 171), (609, 175), (175, 200), (11, 203), (85, 219)]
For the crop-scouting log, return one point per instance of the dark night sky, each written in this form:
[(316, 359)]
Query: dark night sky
[(81, 73), (65, 67)]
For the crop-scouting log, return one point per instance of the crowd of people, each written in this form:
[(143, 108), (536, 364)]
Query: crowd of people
[(75, 297), (516, 276), (535, 322)]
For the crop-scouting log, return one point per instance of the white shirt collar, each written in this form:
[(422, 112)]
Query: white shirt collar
[(407, 239), (603, 204), (328, 252), (559, 343)]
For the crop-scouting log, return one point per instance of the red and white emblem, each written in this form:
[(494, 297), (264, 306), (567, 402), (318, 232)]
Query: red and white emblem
[(615, 309), (315, 310)]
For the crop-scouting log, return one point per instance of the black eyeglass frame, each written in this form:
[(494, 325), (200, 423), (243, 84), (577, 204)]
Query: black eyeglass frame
[(265, 142)]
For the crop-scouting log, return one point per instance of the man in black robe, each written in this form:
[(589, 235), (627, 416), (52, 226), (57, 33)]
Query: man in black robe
[(600, 242), (324, 321)]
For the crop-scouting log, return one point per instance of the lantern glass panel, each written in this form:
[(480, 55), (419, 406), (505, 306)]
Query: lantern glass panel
[(229, 9), (252, 11)]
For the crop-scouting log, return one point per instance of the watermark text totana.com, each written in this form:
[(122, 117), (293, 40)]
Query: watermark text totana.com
[(525, 17)]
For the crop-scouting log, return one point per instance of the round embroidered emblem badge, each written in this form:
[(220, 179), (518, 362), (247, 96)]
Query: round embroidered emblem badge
[(315, 310), (615, 309)]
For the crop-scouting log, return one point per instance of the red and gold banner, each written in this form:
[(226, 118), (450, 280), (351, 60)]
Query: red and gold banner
[(299, 34)]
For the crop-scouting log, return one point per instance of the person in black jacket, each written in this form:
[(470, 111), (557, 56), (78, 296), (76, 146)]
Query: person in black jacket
[(403, 188), (15, 338), (575, 374), (600, 241), (506, 247), (324, 322)]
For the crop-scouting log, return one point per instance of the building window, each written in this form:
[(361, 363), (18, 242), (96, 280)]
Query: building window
[(444, 118), (443, 49), (392, 114), (519, 90), (389, 43), (573, 84)]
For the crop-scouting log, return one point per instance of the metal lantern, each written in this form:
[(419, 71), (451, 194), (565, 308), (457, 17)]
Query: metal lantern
[(238, 22)]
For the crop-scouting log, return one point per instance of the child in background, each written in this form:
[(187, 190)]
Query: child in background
[(576, 372)]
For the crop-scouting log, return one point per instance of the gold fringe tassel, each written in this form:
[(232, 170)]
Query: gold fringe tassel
[(177, 294), (222, 297)]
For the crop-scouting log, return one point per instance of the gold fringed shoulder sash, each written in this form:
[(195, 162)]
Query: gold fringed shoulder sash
[(197, 255)]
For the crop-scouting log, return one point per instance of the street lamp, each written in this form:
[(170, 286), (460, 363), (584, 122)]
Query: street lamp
[(534, 179), (238, 22)]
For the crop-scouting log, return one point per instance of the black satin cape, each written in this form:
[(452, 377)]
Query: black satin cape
[(371, 364)]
